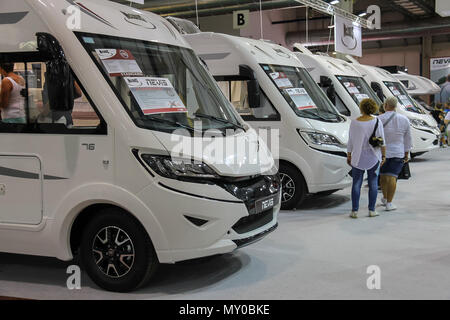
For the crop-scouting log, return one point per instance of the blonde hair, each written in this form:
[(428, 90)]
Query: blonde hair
[(368, 106), (391, 102)]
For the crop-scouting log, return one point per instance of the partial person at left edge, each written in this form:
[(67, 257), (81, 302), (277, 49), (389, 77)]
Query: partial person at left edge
[(12, 103)]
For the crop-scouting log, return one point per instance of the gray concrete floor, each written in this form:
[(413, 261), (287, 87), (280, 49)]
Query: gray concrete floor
[(316, 253)]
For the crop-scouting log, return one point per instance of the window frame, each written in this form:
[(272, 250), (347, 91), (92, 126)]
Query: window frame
[(249, 118), (47, 128)]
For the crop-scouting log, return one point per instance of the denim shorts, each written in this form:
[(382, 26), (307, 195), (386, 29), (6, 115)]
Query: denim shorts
[(392, 167)]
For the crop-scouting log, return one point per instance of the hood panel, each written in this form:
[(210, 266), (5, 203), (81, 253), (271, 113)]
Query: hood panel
[(250, 155)]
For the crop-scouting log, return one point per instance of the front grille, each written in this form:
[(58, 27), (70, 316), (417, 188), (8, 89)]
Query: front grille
[(251, 190), (253, 222)]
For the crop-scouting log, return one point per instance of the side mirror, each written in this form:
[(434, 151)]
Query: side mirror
[(331, 94), (59, 82), (326, 83), (254, 91), (378, 90)]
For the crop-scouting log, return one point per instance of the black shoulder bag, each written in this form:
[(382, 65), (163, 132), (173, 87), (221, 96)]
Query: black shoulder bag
[(375, 141)]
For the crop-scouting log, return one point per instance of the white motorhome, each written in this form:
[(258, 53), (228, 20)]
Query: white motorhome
[(344, 85), (103, 182), (424, 130), (271, 89), (418, 86)]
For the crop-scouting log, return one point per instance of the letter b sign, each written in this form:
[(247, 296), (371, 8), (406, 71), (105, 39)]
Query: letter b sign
[(240, 19)]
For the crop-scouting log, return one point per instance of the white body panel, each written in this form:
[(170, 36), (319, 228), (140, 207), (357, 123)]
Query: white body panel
[(223, 54), (71, 177)]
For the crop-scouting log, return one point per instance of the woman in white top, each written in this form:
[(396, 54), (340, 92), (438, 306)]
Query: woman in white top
[(12, 103), (363, 157)]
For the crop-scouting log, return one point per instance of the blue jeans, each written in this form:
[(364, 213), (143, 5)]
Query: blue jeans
[(358, 176)]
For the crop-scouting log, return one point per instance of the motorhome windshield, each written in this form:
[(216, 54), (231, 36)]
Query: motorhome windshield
[(162, 87), (403, 97), (358, 89), (301, 92)]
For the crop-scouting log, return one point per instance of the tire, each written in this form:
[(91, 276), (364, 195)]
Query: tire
[(113, 266), (293, 185)]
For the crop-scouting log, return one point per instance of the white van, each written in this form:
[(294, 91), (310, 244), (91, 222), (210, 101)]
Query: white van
[(344, 85), (418, 86), (272, 90), (95, 177), (424, 130)]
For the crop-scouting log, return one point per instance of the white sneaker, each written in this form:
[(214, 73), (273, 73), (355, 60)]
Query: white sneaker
[(373, 214), (390, 206), (354, 214), (383, 202)]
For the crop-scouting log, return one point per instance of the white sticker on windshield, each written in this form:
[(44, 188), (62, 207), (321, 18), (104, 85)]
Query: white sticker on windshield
[(351, 87), (394, 91), (119, 62), (281, 80), (361, 96), (155, 95), (404, 101), (301, 98)]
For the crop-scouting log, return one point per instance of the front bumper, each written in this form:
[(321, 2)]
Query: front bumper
[(330, 170), (424, 140), (225, 225)]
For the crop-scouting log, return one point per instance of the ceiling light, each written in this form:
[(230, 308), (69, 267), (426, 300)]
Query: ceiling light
[(334, 2), (362, 14)]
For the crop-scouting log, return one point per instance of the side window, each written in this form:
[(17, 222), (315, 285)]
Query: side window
[(237, 93), (29, 108)]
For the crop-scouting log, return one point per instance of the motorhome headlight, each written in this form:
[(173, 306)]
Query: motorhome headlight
[(320, 138), (178, 168), (417, 123)]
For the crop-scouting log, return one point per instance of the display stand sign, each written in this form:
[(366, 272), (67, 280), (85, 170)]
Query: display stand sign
[(440, 69), (281, 80), (347, 36), (301, 98), (155, 95), (119, 62), (361, 96)]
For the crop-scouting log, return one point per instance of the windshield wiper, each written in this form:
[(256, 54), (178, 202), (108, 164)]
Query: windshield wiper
[(176, 123), (207, 116)]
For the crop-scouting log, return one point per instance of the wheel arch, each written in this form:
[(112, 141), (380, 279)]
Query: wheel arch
[(81, 205)]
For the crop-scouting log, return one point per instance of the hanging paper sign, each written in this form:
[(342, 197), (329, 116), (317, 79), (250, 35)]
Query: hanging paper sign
[(155, 95), (351, 87), (394, 91), (361, 96), (301, 98), (119, 62), (404, 101), (281, 80)]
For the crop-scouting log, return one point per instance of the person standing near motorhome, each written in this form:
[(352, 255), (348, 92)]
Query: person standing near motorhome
[(12, 103), (397, 132), (444, 96), (361, 156)]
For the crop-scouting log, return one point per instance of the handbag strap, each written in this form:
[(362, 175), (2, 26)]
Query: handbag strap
[(389, 120), (375, 129)]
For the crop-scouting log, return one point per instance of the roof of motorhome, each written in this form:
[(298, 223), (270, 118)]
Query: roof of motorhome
[(22, 19), (379, 73), (418, 85), (331, 65), (210, 44)]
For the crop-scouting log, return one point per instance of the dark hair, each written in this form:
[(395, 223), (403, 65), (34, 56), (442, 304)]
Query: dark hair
[(448, 78), (8, 67), (369, 106)]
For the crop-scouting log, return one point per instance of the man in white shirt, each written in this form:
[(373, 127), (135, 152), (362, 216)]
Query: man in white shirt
[(397, 133)]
